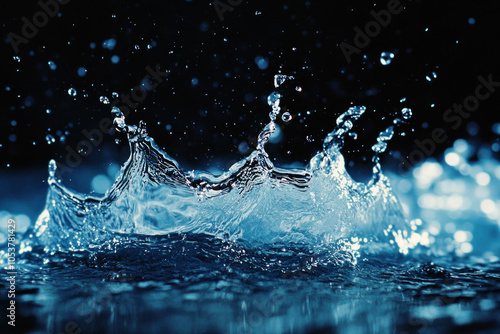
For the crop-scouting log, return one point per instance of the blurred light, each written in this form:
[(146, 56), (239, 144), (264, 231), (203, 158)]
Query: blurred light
[(466, 247), (22, 223), (427, 173), (483, 179), (82, 71), (100, 183), (487, 206), (109, 44), (496, 128), (461, 146), (460, 236), (434, 228), (243, 147), (452, 159), (262, 62)]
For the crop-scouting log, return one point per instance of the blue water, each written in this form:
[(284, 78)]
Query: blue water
[(262, 249)]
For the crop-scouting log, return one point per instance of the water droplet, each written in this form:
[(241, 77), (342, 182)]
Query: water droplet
[(298, 89), (386, 58), (48, 111), (115, 95), (16, 58), (286, 117), (104, 99), (52, 65), (354, 135), (72, 92), (274, 99), (402, 100), (258, 12), (280, 78), (119, 120), (407, 113), (116, 112), (117, 141), (50, 139), (137, 47), (382, 140)]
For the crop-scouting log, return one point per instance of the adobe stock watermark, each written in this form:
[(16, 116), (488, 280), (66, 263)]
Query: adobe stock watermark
[(11, 272), (454, 117), (381, 19), (124, 102), (225, 6), (40, 19)]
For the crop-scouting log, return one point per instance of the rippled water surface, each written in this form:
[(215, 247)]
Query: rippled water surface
[(196, 283)]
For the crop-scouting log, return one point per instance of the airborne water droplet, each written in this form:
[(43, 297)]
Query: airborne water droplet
[(407, 113), (386, 58), (50, 139), (104, 99), (286, 117), (273, 99), (280, 78), (72, 92), (116, 112), (52, 65)]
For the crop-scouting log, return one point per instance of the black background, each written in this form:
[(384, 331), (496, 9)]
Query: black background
[(228, 106)]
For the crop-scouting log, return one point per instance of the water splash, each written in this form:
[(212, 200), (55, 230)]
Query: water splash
[(319, 206)]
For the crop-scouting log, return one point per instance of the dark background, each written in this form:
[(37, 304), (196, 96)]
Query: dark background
[(228, 106)]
